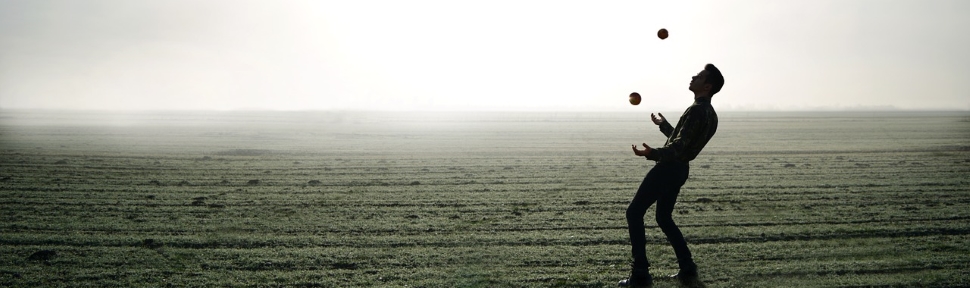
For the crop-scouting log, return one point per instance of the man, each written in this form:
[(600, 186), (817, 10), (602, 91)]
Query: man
[(662, 184)]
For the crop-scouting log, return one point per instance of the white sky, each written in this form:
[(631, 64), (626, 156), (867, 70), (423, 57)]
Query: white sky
[(481, 55)]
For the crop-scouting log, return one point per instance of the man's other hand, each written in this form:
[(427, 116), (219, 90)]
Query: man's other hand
[(644, 152), (657, 120)]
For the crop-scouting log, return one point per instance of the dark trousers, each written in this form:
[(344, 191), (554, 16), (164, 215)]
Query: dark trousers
[(661, 185)]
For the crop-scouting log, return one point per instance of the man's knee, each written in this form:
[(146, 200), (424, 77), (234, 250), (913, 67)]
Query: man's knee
[(633, 213), (665, 222)]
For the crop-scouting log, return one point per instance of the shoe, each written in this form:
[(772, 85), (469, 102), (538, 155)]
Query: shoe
[(640, 278), (686, 277)]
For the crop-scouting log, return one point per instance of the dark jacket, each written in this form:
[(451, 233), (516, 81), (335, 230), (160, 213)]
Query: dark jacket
[(695, 127)]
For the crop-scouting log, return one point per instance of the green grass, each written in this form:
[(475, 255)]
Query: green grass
[(512, 200)]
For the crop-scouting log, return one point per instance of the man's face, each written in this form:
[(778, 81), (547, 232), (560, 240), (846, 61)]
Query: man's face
[(697, 82)]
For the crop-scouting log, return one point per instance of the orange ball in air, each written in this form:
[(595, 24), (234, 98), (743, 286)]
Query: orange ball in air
[(635, 98), (662, 33)]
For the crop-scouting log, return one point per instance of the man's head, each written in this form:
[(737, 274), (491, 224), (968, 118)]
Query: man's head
[(707, 82)]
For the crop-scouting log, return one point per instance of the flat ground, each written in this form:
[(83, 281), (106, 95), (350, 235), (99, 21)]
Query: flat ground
[(484, 199)]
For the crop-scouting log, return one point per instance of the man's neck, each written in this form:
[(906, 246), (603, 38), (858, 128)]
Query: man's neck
[(702, 98)]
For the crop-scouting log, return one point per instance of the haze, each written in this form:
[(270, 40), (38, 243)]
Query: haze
[(481, 55)]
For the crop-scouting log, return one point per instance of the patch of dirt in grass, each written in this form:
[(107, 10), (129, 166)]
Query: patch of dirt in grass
[(344, 265), (151, 243), (42, 255)]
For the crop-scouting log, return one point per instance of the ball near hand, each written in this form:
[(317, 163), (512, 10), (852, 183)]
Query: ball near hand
[(662, 33), (635, 98)]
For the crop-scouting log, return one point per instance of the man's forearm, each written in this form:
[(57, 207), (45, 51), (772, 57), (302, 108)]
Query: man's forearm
[(660, 154), (666, 128)]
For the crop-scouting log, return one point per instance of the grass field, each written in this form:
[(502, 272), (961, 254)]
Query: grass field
[(809, 199)]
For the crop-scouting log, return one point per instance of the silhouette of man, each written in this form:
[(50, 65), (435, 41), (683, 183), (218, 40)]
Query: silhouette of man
[(662, 184)]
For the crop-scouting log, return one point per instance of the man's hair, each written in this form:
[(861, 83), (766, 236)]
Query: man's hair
[(714, 78)]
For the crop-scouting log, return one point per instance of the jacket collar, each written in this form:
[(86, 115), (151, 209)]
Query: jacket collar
[(702, 100)]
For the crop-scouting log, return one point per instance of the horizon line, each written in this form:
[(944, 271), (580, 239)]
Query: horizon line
[(847, 109)]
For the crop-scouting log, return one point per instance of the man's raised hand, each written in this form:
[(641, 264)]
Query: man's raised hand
[(656, 120)]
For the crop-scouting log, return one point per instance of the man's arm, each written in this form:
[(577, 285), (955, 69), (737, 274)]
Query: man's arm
[(662, 122), (695, 127)]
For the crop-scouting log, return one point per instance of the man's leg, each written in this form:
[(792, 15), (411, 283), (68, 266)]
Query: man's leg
[(665, 209), (646, 195)]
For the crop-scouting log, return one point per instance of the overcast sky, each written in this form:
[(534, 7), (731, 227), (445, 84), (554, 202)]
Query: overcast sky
[(481, 55)]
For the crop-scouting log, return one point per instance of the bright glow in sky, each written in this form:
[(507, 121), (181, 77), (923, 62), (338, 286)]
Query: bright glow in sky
[(481, 55)]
